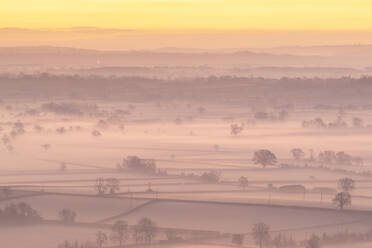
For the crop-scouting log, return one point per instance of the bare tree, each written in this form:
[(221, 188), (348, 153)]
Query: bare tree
[(172, 236), (61, 130), (235, 129), (201, 110), (145, 231), (260, 233), (313, 242), (67, 215), (264, 157), (113, 185), (237, 239), (100, 186), (7, 191), (46, 147), (346, 184), (343, 158), (243, 182), (5, 139), (342, 199), (327, 157), (10, 148), (358, 161), (102, 124), (101, 238), (76, 244), (96, 133), (298, 154), (63, 166), (38, 128), (311, 155), (357, 122), (120, 232)]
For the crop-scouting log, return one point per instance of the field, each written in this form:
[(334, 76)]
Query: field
[(64, 175)]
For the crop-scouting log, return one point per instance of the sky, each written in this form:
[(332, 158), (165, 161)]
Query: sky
[(59, 21)]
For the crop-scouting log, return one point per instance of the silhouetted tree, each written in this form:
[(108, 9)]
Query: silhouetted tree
[(346, 184), (101, 238), (100, 186), (201, 110), (264, 157), (243, 182), (343, 158), (357, 122), (260, 233), (113, 185), (5, 139), (298, 154), (46, 147), (311, 155), (76, 244), (172, 236), (102, 124), (342, 199), (358, 161), (316, 123), (327, 157), (96, 133), (235, 129), (61, 130), (237, 239), (7, 191), (10, 148), (210, 177), (140, 165), (313, 242), (19, 213), (145, 231), (38, 128), (63, 166), (120, 232), (67, 215)]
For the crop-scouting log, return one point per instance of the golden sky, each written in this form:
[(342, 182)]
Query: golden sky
[(189, 14), (138, 24)]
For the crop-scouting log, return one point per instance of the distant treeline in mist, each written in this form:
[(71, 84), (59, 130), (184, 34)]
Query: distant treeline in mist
[(225, 89)]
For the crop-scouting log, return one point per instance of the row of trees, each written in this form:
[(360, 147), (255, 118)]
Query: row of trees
[(327, 157), (18, 214), (143, 232), (107, 185), (262, 157), (275, 115), (23, 213), (67, 215), (138, 164), (343, 198), (338, 123), (17, 129), (206, 177), (262, 236), (281, 115)]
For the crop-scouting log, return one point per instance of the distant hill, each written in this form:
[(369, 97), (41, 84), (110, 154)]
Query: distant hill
[(344, 50), (64, 56)]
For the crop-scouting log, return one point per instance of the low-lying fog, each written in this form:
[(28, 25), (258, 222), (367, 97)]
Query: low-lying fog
[(183, 157)]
